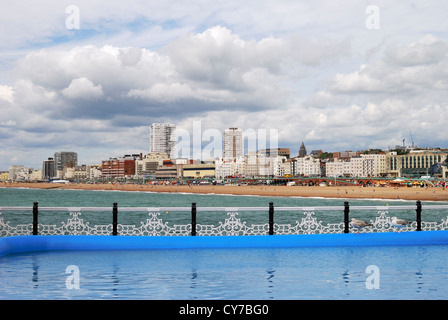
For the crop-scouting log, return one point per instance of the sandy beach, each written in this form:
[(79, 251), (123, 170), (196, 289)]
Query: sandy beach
[(404, 193)]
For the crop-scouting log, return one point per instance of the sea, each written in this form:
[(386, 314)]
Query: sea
[(92, 198)]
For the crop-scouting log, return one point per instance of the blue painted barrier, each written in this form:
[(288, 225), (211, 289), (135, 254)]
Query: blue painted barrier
[(18, 244)]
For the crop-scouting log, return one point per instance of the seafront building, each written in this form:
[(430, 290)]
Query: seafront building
[(307, 166), (18, 172), (4, 175), (415, 163), (119, 167), (368, 165), (229, 168), (149, 164), (198, 171), (22, 173)]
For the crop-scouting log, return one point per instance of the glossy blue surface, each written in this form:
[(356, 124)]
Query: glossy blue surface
[(78, 242)]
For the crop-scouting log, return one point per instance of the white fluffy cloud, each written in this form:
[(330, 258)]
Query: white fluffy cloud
[(82, 88)]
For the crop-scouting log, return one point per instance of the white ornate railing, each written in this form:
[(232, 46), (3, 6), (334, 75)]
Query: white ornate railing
[(305, 223)]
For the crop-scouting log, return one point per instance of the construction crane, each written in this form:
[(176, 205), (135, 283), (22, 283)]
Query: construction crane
[(412, 139)]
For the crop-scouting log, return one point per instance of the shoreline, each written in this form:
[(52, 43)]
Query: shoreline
[(335, 192)]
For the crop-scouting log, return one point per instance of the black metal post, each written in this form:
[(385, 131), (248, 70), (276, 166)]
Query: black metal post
[(193, 219), (35, 219), (115, 219), (346, 217), (419, 215), (271, 218)]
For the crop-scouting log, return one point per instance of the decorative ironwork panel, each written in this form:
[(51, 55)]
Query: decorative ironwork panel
[(232, 226), (153, 227), (20, 230), (308, 225), (75, 226)]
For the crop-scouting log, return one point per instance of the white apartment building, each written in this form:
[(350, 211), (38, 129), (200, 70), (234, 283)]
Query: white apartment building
[(94, 172), (308, 166), (256, 164), (229, 168), (368, 165), (163, 138), (251, 164), (281, 166), (338, 168), (365, 165), (19, 173), (232, 143)]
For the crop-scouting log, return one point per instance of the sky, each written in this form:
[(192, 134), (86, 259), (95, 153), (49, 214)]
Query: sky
[(92, 76)]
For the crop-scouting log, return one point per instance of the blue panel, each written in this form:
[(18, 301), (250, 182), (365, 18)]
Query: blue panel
[(44, 243)]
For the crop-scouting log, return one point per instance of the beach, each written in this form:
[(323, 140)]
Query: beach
[(343, 192)]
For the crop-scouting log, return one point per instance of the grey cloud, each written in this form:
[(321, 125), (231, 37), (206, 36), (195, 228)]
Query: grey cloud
[(428, 50), (403, 71)]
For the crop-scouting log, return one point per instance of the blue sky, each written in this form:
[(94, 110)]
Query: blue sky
[(314, 71)]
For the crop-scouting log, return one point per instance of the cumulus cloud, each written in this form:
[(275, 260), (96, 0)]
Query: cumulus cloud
[(206, 71), (404, 70), (82, 88), (7, 93)]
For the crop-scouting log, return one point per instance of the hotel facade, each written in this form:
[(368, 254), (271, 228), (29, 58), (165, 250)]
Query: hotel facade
[(414, 164)]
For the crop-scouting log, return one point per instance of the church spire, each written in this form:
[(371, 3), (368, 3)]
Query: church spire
[(302, 150)]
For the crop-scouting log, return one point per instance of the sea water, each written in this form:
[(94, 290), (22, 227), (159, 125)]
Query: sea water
[(89, 198)]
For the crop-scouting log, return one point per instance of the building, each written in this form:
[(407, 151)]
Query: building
[(302, 151), (198, 171), (251, 164), (148, 165), (308, 166), (119, 167), (35, 175), (4, 175), (48, 169), (18, 172), (81, 172), (274, 152), (368, 165), (346, 154), (230, 168), (338, 168), (232, 143), (415, 164), (94, 171), (63, 160), (163, 138), (364, 165), (168, 170), (22, 173)]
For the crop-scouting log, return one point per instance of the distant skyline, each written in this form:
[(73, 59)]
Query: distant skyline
[(91, 76)]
